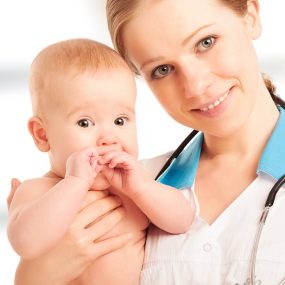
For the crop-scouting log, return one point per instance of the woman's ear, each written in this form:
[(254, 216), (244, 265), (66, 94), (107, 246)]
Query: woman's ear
[(253, 19), (38, 132)]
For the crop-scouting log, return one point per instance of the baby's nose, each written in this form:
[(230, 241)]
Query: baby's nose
[(107, 140)]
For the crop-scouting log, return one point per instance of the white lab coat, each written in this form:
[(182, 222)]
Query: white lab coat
[(219, 254)]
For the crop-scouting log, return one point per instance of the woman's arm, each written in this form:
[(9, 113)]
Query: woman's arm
[(80, 247)]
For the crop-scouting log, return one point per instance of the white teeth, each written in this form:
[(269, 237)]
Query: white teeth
[(216, 103)]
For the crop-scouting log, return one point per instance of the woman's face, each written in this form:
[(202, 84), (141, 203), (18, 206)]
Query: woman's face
[(198, 59)]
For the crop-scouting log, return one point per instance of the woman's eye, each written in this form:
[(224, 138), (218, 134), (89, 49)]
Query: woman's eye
[(85, 123), (161, 71), (206, 44), (120, 121)]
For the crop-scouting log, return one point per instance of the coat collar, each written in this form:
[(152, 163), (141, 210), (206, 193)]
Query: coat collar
[(181, 173)]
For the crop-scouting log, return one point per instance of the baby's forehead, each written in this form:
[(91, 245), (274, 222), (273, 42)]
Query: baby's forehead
[(66, 60), (72, 71), (119, 82)]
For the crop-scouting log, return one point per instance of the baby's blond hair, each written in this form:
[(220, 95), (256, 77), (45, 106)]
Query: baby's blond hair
[(76, 55)]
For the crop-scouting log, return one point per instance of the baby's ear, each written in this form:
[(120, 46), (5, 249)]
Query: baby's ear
[(38, 132)]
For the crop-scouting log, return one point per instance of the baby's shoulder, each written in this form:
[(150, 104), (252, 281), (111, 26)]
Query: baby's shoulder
[(41, 184), (32, 189)]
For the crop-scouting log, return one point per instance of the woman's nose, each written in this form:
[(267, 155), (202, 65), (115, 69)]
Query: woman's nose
[(195, 79)]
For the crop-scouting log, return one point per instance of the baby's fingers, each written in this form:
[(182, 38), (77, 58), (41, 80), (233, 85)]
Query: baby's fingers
[(106, 158), (116, 159)]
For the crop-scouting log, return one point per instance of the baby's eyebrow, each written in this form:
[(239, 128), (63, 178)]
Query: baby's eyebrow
[(126, 111), (77, 109)]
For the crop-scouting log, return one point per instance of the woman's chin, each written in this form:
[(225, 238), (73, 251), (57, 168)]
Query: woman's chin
[(100, 183)]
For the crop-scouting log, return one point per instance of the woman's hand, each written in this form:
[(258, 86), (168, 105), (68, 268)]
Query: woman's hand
[(81, 246)]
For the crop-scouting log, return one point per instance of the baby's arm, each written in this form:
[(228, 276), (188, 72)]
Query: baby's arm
[(42, 209), (165, 206)]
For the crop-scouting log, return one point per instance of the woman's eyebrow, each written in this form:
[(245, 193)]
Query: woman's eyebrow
[(188, 38), (151, 60), (184, 42)]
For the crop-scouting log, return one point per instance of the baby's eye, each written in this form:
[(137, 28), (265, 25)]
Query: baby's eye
[(161, 71), (206, 43), (120, 121), (85, 123)]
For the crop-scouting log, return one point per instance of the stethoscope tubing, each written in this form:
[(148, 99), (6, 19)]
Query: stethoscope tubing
[(268, 204), (267, 207), (176, 153)]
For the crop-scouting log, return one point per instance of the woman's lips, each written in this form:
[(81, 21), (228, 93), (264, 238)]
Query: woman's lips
[(215, 108), (216, 103)]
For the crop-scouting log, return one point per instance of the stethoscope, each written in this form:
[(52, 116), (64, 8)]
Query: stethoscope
[(268, 204)]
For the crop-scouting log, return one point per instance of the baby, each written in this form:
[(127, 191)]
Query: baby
[(83, 99)]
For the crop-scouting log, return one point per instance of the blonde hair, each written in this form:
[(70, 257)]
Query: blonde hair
[(77, 55), (120, 12)]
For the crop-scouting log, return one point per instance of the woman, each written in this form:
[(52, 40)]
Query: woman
[(198, 59)]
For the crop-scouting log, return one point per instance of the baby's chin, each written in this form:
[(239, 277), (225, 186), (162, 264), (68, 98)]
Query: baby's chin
[(100, 183)]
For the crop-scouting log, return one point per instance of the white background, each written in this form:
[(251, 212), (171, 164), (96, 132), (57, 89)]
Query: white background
[(28, 26)]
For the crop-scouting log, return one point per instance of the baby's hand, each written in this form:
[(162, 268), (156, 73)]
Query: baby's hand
[(123, 172), (83, 164)]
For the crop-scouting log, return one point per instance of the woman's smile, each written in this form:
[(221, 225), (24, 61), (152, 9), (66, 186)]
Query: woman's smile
[(215, 104), (216, 107)]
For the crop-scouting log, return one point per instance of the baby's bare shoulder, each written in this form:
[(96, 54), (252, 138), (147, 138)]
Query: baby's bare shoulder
[(32, 189), (41, 184)]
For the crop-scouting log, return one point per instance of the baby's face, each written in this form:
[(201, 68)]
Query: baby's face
[(91, 109)]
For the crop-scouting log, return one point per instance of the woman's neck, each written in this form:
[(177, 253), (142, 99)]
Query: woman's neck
[(250, 140)]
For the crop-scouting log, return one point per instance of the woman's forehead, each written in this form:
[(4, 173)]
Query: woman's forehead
[(158, 21), (159, 15)]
